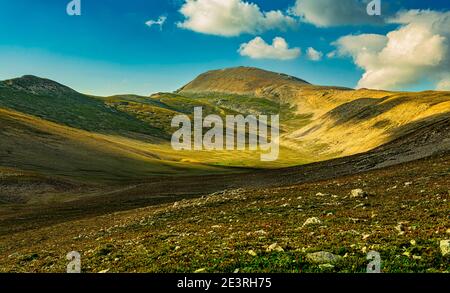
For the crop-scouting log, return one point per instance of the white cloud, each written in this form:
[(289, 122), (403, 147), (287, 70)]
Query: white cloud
[(259, 49), (326, 13), (332, 54), (313, 54), (444, 84), (160, 21), (231, 18), (417, 50)]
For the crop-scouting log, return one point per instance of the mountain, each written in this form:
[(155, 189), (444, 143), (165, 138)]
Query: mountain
[(334, 121), (240, 80), (104, 166), (38, 86), (57, 103), (97, 135)]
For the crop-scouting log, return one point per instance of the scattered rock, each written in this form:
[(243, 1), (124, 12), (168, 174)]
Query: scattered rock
[(401, 228), (274, 247), (357, 193), (252, 252), (261, 232), (408, 184), (312, 221), (323, 257), (361, 205), (445, 247), (15, 254)]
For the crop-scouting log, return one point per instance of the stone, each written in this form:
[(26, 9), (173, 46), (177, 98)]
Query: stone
[(275, 247), (312, 221), (252, 252), (357, 193), (323, 257), (445, 247)]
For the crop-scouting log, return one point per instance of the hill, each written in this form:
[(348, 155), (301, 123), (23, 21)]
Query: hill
[(98, 174), (52, 101), (317, 123), (325, 122)]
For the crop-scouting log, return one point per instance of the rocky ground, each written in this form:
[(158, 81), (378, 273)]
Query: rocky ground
[(401, 211)]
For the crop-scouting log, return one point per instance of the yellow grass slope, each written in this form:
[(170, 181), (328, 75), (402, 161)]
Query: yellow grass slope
[(366, 123), (343, 121), (35, 144)]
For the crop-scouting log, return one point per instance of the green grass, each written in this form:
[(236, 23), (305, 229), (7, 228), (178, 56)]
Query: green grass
[(75, 110)]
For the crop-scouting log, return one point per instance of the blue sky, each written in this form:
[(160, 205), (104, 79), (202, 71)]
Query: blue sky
[(110, 50)]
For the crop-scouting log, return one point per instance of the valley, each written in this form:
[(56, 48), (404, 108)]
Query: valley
[(99, 175)]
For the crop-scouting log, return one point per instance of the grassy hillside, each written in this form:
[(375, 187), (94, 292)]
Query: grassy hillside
[(366, 123), (261, 229), (323, 121), (33, 144), (54, 102), (126, 137)]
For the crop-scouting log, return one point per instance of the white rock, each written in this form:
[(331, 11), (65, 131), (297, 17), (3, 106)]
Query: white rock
[(445, 247), (323, 257), (252, 252), (275, 247), (312, 221), (357, 193)]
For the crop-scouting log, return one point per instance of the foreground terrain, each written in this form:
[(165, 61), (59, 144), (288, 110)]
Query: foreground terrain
[(358, 170), (403, 214)]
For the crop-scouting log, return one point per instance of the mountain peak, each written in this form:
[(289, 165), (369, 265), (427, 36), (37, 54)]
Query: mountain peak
[(240, 80), (37, 85)]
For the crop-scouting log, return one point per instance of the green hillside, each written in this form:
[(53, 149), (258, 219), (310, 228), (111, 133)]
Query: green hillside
[(54, 102)]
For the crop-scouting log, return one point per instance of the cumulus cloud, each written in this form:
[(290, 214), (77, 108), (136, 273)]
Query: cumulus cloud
[(418, 49), (326, 13), (332, 54), (259, 49), (231, 18), (313, 54), (160, 22), (444, 84)]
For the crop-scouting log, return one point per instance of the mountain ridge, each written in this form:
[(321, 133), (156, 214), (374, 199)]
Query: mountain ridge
[(38, 85), (317, 123)]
